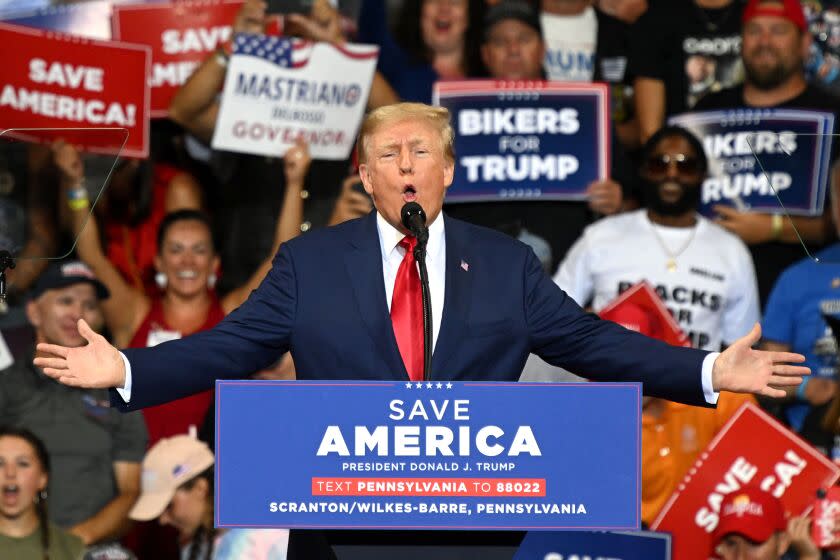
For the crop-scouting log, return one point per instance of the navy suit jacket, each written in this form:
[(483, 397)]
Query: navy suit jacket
[(324, 300)]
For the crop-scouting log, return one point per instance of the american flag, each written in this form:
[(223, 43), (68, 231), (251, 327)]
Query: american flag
[(282, 51)]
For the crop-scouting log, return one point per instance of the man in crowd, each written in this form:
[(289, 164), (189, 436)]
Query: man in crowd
[(95, 451), (513, 49), (752, 525), (702, 273), (775, 43)]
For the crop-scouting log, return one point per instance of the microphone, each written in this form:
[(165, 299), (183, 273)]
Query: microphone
[(414, 220)]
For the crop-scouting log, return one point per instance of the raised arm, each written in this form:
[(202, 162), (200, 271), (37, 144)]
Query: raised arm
[(126, 307), (296, 164), (196, 105)]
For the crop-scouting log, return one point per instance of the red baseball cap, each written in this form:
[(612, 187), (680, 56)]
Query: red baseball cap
[(790, 10), (751, 513)]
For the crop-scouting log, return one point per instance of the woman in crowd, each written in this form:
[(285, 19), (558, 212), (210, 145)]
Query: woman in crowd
[(181, 495), (435, 40), (25, 530), (187, 266)]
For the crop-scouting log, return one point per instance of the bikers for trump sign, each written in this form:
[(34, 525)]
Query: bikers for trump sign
[(526, 140), (180, 35), (280, 89), (51, 80), (428, 455), (756, 154)]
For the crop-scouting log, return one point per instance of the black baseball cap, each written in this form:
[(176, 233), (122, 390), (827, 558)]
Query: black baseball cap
[(66, 273), (512, 9)]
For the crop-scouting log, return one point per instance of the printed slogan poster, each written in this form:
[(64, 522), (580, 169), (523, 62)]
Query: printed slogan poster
[(526, 140), (752, 449), (180, 36), (50, 80), (279, 89), (428, 455), (754, 152)]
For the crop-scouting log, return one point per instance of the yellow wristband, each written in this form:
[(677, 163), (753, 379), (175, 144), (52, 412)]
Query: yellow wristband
[(78, 203), (776, 225)]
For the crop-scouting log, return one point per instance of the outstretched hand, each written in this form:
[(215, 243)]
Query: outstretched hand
[(96, 365), (742, 369)]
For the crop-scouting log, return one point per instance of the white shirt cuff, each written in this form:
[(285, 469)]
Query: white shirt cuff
[(125, 391), (708, 388)]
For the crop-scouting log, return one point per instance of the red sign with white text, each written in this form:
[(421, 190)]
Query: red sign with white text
[(180, 36), (52, 80), (752, 449)]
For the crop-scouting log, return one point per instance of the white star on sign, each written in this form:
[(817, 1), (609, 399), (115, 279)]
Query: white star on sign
[(449, 385), (439, 385), (419, 385), (429, 385), (408, 385)]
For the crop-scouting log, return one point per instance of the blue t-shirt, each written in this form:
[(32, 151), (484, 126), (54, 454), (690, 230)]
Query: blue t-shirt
[(794, 315)]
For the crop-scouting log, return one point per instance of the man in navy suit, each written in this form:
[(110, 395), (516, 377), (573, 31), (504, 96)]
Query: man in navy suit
[(328, 296)]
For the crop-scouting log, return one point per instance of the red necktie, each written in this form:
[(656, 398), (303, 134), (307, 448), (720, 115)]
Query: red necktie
[(407, 312)]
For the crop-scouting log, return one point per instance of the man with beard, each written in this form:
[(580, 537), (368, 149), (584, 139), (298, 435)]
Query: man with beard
[(703, 273), (775, 45)]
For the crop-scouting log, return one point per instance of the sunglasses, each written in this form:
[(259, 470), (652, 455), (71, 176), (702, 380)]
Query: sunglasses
[(688, 166)]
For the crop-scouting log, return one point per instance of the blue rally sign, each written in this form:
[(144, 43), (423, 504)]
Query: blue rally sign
[(435, 455), (754, 152), (526, 140), (641, 545)]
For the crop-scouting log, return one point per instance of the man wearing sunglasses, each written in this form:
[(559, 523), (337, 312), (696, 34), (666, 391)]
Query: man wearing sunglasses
[(775, 46), (703, 273)]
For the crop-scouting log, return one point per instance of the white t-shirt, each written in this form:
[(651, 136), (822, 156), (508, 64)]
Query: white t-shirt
[(712, 292), (570, 46)]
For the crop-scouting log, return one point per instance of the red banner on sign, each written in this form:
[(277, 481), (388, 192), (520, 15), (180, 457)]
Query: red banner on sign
[(52, 80), (752, 449), (180, 36)]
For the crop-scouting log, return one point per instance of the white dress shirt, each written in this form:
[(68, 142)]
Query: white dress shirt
[(392, 255)]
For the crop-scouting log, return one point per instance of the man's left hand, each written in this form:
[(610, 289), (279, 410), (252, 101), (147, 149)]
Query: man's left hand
[(742, 369)]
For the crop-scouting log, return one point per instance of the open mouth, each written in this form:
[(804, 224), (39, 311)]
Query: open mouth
[(10, 493), (186, 274), (409, 193), (442, 26)]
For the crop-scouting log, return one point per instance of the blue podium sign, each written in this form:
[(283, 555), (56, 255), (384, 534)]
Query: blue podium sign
[(434, 455), (526, 140), (755, 154), (641, 545)]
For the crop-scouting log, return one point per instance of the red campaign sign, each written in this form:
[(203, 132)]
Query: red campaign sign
[(825, 528), (180, 36), (640, 309), (53, 80), (752, 449)]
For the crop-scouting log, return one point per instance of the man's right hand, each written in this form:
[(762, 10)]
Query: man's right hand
[(97, 365), (250, 18)]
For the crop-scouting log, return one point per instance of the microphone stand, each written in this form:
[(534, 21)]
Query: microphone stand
[(420, 257)]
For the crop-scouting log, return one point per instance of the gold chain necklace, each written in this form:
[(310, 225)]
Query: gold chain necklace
[(671, 262)]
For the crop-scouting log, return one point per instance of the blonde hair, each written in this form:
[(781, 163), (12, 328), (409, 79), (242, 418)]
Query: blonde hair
[(438, 117)]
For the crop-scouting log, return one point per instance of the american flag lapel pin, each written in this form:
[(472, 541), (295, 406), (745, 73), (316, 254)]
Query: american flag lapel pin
[(465, 266)]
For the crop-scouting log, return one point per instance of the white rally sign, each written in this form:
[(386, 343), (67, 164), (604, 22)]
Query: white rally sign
[(279, 89)]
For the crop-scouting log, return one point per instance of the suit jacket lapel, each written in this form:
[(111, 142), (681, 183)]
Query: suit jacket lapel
[(457, 298), (364, 268)]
